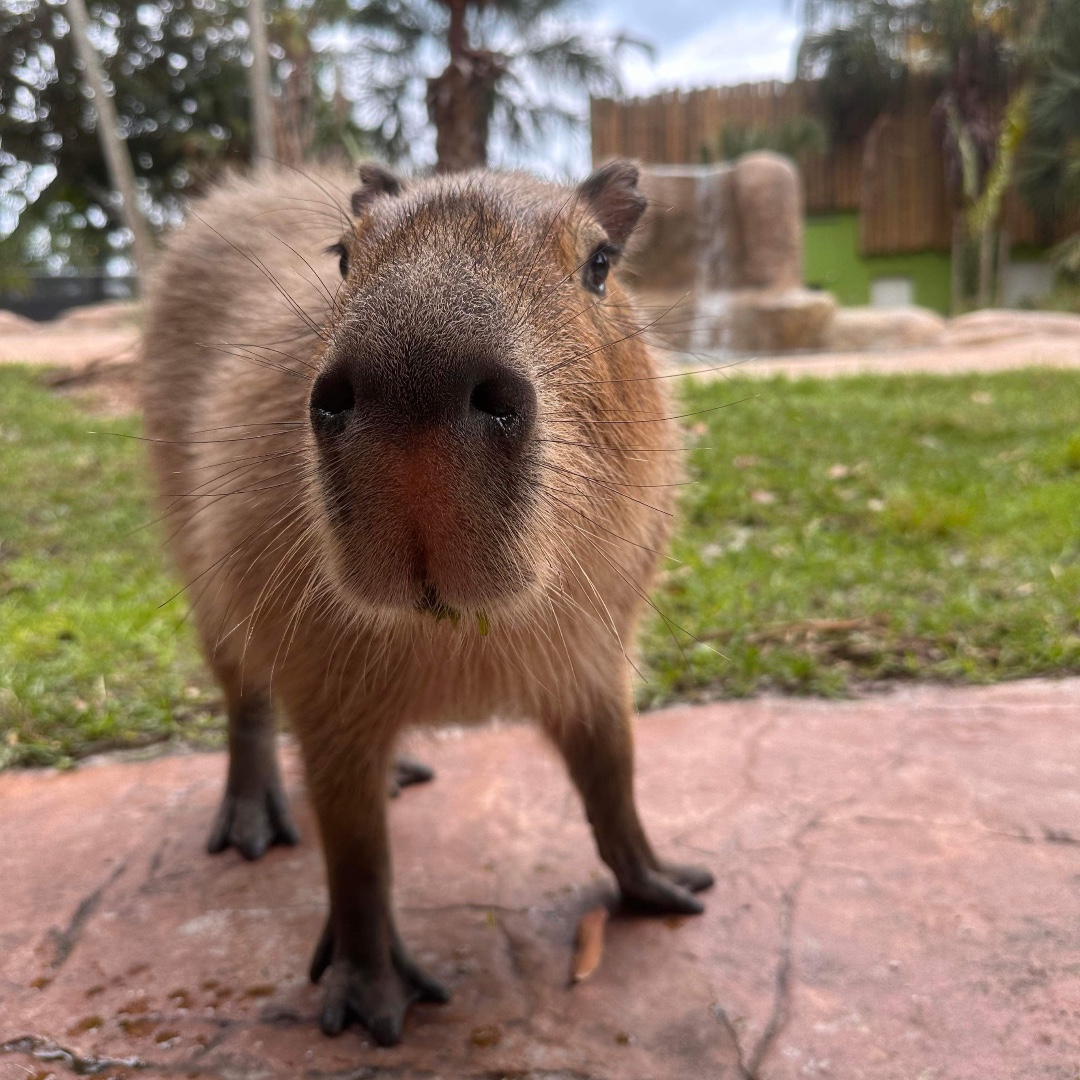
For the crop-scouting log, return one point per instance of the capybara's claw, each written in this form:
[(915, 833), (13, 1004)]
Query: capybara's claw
[(252, 824), (377, 995), (689, 876), (668, 891)]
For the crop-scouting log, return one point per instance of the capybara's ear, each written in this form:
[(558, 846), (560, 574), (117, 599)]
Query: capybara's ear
[(377, 180), (613, 196)]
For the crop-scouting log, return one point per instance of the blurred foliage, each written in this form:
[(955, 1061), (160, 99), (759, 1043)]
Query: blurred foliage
[(859, 52), (853, 62), (178, 70), (801, 135), (350, 77), (180, 93), (528, 57), (1007, 108), (1049, 170)]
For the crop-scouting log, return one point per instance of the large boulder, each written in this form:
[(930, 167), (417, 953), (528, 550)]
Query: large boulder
[(107, 315), (767, 321), (860, 329), (983, 327), (720, 258), (12, 323), (768, 201), (676, 247)]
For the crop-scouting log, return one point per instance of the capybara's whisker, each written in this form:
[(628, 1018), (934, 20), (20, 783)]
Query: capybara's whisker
[(612, 488), (661, 419), (623, 449)]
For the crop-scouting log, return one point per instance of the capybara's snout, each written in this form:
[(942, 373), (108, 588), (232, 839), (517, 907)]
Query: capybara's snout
[(472, 398), (428, 464)]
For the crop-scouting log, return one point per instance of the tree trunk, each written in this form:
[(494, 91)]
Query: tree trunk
[(460, 102), (117, 158), (1002, 267), (262, 113), (461, 99), (957, 267), (986, 266)]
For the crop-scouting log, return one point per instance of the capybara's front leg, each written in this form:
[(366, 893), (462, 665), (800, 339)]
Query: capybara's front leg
[(254, 812), (599, 753), (371, 978)]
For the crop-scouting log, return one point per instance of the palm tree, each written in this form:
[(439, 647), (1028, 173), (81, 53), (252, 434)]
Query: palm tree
[(516, 66), (972, 48), (114, 149), (1048, 170)]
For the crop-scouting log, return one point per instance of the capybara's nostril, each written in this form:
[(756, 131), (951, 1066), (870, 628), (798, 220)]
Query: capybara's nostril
[(332, 399), (507, 400)]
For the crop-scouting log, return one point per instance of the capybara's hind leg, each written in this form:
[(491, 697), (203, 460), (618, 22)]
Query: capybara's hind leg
[(254, 813), (599, 753)]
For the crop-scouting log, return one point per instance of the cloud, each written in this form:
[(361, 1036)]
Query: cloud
[(698, 43), (736, 47)]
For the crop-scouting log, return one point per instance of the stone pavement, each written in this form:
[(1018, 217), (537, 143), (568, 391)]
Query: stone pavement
[(898, 896), (96, 339)]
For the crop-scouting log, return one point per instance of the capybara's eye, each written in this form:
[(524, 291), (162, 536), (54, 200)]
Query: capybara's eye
[(596, 271), (342, 252)]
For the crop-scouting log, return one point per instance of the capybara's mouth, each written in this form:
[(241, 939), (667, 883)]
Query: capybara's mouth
[(429, 603), (433, 603)]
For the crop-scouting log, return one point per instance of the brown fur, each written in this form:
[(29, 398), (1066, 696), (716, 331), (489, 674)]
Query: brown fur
[(312, 565)]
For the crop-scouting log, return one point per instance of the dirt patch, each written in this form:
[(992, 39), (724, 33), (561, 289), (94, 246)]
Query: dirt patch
[(104, 386)]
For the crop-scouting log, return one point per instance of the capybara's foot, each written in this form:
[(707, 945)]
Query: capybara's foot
[(408, 771), (668, 890), (252, 823), (378, 994)]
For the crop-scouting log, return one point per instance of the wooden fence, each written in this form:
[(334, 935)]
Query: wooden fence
[(894, 178)]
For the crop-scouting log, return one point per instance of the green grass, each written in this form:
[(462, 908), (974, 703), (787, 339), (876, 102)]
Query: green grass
[(840, 532), (876, 528), (87, 659)]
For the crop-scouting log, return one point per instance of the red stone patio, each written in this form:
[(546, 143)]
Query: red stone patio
[(898, 896)]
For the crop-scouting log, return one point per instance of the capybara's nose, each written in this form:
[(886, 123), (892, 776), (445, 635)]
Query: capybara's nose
[(470, 397)]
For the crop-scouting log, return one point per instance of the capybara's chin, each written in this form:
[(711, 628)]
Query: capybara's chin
[(450, 580)]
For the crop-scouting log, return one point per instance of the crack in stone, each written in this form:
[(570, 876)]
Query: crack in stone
[(781, 1008), (46, 1050), (65, 940), (445, 909), (1058, 836), (725, 1022), (749, 1065), (975, 827), (748, 786)]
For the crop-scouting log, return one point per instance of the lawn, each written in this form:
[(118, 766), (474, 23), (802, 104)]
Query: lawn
[(88, 658), (842, 532), (839, 533)]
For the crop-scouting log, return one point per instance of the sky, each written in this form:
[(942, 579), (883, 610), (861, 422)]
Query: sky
[(696, 42), (706, 42)]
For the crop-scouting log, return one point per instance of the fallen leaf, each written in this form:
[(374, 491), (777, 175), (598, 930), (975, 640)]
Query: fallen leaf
[(488, 1035), (589, 948)]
